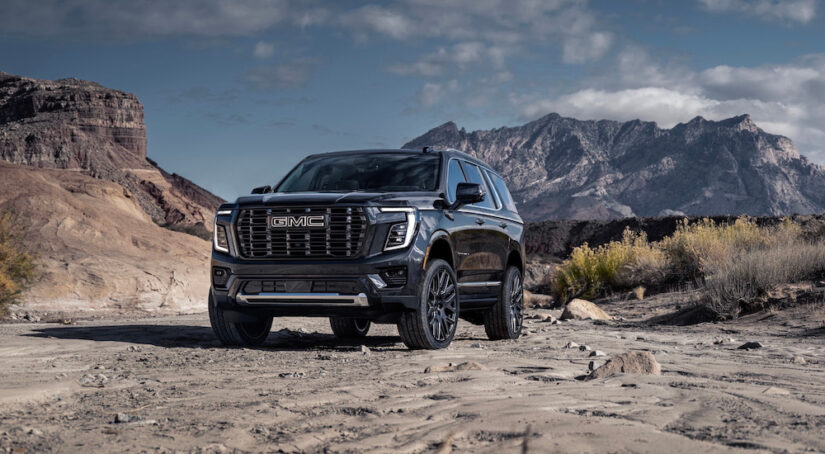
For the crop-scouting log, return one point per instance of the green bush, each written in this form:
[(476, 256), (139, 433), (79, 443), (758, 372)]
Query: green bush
[(17, 267)]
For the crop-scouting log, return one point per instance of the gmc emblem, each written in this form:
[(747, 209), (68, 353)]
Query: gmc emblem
[(283, 222)]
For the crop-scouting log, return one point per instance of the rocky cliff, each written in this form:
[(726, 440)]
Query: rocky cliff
[(82, 126), (563, 168), (73, 169)]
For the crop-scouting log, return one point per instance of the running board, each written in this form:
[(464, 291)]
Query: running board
[(479, 284)]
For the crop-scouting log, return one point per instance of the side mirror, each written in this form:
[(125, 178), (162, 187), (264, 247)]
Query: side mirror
[(468, 193), (262, 189)]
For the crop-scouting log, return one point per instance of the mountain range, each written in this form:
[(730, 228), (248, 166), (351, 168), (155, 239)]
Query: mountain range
[(563, 168)]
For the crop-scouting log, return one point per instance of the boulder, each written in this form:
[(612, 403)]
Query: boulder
[(643, 363), (579, 309)]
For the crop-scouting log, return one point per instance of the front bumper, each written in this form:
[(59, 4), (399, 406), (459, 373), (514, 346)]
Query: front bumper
[(316, 287)]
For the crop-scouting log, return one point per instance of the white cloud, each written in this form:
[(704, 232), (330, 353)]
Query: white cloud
[(802, 11), (433, 94), (263, 50), (500, 25), (293, 74), (460, 55), (584, 48)]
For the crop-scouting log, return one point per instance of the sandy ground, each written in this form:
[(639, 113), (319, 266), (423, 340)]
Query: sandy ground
[(63, 386)]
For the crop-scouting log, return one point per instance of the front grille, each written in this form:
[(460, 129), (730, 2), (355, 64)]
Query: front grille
[(342, 237)]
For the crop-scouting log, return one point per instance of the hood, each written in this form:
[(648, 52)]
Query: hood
[(313, 198)]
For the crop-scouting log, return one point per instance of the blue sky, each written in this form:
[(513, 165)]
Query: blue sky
[(237, 92)]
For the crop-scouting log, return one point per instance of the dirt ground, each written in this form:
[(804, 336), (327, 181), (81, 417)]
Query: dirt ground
[(163, 384)]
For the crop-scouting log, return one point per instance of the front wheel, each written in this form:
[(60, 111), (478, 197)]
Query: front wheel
[(504, 320), (432, 325), (238, 334)]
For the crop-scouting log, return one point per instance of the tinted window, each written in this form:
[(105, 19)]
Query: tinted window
[(454, 176), (474, 176), (493, 191), (369, 172), (501, 188)]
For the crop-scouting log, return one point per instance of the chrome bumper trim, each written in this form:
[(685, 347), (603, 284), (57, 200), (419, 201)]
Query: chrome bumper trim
[(305, 299)]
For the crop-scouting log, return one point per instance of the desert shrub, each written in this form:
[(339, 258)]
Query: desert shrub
[(17, 267), (613, 266), (734, 286), (695, 247)]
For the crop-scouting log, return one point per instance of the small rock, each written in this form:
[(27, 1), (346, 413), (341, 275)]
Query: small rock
[(547, 318), (750, 346), (598, 353), (31, 317), (123, 418), (476, 345), (585, 348), (571, 345), (291, 375), (450, 367), (365, 350), (799, 360), (774, 391), (579, 309), (591, 366), (643, 363), (34, 431)]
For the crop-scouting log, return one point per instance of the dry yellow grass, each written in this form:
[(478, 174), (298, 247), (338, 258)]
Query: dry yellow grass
[(731, 262)]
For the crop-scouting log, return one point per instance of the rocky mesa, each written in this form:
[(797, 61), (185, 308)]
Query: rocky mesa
[(563, 168), (76, 125), (99, 215)]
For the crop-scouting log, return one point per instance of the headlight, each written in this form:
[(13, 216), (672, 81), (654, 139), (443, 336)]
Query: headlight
[(220, 238), (401, 233)]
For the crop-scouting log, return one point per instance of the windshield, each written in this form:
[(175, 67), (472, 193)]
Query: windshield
[(369, 172)]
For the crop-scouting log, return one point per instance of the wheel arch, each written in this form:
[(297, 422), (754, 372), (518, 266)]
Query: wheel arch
[(440, 247)]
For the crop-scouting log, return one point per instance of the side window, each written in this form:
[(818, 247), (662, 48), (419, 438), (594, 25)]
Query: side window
[(493, 192), (474, 176), (454, 176), (501, 188)]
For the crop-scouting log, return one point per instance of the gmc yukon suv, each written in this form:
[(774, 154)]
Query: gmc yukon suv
[(415, 238)]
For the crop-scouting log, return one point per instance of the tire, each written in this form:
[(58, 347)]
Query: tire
[(505, 319), (432, 326), (349, 328), (234, 334)]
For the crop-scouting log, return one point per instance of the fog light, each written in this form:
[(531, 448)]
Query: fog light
[(220, 276), (395, 277)]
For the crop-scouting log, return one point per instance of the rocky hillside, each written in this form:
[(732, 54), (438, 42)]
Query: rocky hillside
[(73, 168), (563, 168), (82, 126)]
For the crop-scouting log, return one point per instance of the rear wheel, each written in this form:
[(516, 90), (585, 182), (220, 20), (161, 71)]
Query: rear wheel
[(349, 328), (433, 324), (504, 320), (238, 334)]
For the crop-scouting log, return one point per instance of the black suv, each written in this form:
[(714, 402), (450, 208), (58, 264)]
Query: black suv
[(415, 238)]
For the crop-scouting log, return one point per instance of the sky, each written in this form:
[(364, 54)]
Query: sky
[(236, 92)]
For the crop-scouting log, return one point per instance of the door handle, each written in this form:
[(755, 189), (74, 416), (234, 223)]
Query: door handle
[(503, 225), (479, 221)]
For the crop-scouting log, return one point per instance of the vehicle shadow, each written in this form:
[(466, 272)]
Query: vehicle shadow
[(177, 336)]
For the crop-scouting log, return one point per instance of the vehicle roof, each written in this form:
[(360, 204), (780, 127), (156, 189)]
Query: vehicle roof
[(446, 152)]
